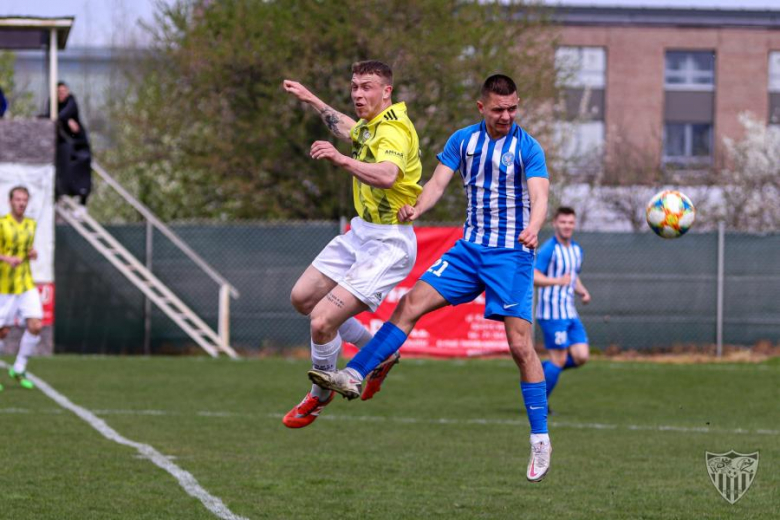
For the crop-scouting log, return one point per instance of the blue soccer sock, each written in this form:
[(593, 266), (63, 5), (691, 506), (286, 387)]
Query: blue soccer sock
[(570, 363), (386, 341), (535, 399), (551, 373)]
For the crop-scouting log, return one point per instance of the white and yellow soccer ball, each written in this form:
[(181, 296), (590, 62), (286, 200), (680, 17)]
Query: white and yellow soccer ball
[(670, 214)]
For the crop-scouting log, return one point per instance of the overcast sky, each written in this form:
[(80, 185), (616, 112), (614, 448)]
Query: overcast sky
[(116, 22), (101, 23)]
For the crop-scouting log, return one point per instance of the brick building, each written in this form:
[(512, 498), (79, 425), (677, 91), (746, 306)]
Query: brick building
[(669, 81)]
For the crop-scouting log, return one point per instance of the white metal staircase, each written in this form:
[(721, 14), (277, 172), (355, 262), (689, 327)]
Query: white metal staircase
[(143, 278)]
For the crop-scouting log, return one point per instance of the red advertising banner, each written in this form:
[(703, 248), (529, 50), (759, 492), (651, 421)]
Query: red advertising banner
[(460, 331), (47, 301)]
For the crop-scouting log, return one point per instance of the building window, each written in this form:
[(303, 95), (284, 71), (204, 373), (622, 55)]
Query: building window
[(580, 128), (694, 70), (774, 71), (687, 142), (774, 88), (581, 76), (580, 67), (580, 143)]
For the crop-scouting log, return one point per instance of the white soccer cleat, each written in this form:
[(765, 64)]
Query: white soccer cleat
[(339, 381), (539, 463)]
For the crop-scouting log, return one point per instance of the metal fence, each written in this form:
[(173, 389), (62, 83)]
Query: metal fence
[(97, 310), (647, 292)]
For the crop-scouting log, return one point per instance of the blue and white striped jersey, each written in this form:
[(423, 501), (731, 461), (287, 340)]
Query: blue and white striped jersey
[(495, 175), (554, 259)]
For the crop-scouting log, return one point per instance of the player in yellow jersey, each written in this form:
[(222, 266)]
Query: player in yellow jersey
[(17, 289), (357, 270)]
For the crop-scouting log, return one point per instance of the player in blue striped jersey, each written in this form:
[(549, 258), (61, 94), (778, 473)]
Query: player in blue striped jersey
[(504, 177), (557, 276)]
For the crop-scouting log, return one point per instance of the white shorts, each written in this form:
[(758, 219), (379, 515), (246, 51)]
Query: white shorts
[(369, 260), (28, 304)]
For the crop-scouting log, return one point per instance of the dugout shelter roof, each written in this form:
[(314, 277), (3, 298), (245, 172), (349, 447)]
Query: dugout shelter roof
[(37, 33), (33, 32)]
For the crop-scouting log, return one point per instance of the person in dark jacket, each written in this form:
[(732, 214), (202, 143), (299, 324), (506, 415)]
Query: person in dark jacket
[(74, 157), (3, 103)]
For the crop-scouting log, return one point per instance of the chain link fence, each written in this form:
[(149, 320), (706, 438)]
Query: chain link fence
[(98, 310), (649, 292), (646, 292)]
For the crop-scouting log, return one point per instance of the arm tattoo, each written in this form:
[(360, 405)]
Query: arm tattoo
[(332, 120), (335, 300)]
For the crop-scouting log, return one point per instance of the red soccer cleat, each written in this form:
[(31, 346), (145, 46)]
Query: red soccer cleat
[(373, 381), (305, 412)]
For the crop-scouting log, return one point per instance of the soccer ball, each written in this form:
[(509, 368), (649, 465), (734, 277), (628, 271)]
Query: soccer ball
[(670, 214)]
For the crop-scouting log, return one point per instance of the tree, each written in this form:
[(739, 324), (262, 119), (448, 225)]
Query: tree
[(206, 130), (614, 186), (626, 182), (749, 194), (20, 102)]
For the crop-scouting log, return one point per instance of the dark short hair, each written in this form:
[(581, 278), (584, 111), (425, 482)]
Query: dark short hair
[(379, 68), (62, 84), (564, 210), (498, 84), (18, 188)]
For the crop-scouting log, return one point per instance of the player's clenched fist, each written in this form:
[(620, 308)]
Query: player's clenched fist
[(325, 150), (297, 90), (528, 238), (407, 213)]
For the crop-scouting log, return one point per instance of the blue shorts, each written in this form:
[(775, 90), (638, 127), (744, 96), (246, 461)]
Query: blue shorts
[(562, 334), (505, 275)]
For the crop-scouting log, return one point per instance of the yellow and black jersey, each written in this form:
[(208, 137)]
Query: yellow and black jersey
[(16, 239), (390, 136)]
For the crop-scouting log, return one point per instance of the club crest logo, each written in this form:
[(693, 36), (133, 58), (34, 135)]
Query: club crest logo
[(366, 134), (732, 473), (507, 158)]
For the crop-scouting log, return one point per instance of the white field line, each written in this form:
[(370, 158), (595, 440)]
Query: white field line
[(553, 424), (412, 420), (185, 479)]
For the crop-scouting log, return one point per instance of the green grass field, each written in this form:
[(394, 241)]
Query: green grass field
[(444, 439)]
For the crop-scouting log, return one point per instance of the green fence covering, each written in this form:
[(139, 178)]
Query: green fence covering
[(647, 292)]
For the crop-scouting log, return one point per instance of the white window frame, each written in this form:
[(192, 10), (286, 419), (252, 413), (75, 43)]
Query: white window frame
[(688, 157), (581, 67), (774, 71), (689, 73), (580, 143)]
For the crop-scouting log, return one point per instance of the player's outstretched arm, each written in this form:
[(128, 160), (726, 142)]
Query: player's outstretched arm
[(338, 123), (538, 188), (431, 193)]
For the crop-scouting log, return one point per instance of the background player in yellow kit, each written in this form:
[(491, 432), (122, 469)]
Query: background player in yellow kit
[(17, 289)]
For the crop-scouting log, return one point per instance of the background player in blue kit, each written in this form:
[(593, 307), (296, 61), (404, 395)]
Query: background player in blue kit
[(505, 180), (556, 274)]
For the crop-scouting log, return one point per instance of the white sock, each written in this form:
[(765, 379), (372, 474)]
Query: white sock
[(536, 438), (352, 331), (26, 348), (325, 357)]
